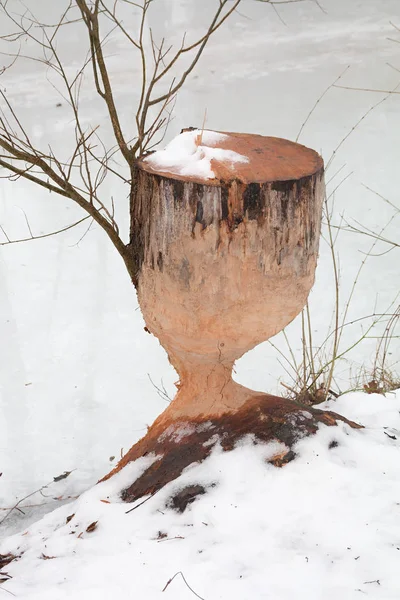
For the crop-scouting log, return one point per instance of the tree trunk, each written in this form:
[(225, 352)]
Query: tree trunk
[(221, 265)]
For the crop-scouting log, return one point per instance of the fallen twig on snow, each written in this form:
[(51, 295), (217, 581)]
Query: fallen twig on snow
[(140, 503), (38, 491), (183, 577)]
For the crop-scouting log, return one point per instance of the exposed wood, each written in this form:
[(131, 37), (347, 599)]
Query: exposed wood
[(222, 265), (271, 160)]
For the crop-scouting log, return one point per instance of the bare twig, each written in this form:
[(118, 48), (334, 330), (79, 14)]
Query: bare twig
[(79, 178), (336, 337), (39, 237), (360, 120), (186, 583), (162, 392), (142, 502), (347, 87), (319, 100), (147, 98), (8, 591), (38, 491)]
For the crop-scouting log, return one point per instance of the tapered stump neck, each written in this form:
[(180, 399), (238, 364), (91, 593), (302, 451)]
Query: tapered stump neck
[(208, 392)]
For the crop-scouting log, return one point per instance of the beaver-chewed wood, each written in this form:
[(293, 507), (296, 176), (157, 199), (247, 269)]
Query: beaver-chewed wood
[(221, 265)]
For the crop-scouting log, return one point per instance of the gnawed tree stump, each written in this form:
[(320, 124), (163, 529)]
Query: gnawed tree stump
[(222, 264)]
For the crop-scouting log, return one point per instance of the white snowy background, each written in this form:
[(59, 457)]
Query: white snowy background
[(74, 357)]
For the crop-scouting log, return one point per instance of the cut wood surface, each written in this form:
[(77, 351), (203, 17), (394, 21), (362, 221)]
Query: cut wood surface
[(269, 159)]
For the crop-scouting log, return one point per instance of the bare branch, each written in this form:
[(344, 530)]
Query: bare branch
[(186, 583), (392, 67), (39, 237), (162, 392), (113, 18), (364, 116), (148, 100), (346, 87), (395, 26), (396, 208), (319, 100), (91, 20), (85, 232), (80, 175), (65, 188), (215, 24)]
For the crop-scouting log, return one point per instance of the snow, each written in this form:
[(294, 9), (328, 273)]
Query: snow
[(190, 154), (327, 525), (74, 386), (74, 370)]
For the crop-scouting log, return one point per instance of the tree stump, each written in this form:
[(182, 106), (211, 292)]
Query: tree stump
[(223, 263)]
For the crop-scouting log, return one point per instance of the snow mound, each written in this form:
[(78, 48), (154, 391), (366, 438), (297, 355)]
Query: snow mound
[(190, 154), (327, 525)]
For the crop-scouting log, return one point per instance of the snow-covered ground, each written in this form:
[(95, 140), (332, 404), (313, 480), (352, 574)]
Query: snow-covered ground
[(327, 525), (75, 360)]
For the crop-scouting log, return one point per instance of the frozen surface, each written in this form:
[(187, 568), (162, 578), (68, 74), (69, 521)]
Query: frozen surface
[(74, 357), (191, 153), (327, 525)]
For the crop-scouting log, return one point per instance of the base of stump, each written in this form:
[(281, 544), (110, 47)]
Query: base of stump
[(181, 443)]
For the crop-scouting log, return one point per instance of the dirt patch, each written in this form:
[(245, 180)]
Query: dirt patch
[(181, 443), (187, 495)]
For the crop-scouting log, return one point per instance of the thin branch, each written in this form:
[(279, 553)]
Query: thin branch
[(393, 67), (39, 237), (65, 188), (114, 19), (346, 87), (84, 233), (24, 498), (276, 11), (5, 234), (364, 116), (371, 234), (396, 208), (162, 392), (336, 336), (8, 591), (148, 100), (318, 99), (187, 585), (91, 20), (140, 503), (213, 27)]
